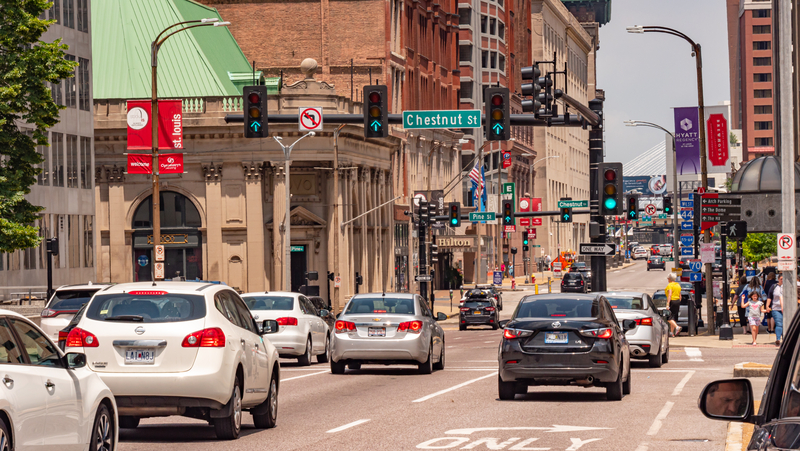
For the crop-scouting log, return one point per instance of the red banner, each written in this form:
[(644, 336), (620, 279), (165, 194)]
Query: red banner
[(536, 205), (717, 139), (170, 125), (170, 163), (140, 163), (524, 206)]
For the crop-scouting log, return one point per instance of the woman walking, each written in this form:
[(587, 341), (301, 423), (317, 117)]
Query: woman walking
[(775, 306), (673, 292), (754, 309), (742, 312)]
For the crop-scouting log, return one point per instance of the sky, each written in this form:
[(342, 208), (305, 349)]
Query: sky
[(645, 75)]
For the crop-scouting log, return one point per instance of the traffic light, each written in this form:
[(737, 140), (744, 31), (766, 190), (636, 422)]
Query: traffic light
[(513, 251), (546, 97), (667, 205), (434, 253), (508, 213), (359, 279), (524, 239), (376, 111), (255, 111), (633, 208), (52, 246), (455, 214), (423, 213), (524, 248), (737, 230), (610, 188), (531, 73), (498, 120), (330, 276), (566, 214)]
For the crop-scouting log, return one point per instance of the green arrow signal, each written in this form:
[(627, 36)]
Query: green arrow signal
[(375, 125), (566, 216), (497, 128), (255, 126)]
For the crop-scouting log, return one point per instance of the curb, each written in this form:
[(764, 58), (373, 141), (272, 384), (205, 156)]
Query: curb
[(734, 440), (739, 370)]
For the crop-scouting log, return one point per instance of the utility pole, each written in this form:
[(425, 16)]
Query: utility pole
[(596, 219), (337, 235)]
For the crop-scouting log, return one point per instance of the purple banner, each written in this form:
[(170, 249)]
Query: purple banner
[(687, 140)]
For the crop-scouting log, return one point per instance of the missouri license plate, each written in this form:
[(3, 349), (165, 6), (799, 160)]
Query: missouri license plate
[(377, 332), (556, 338), (143, 356)]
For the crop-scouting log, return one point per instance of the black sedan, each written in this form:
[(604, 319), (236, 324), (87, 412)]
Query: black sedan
[(557, 339), (478, 311), (574, 282), (655, 262), (585, 270)]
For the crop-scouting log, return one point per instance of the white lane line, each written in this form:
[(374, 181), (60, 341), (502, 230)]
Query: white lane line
[(482, 361), (490, 342), (682, 383), (642, 446), (656, 426), (305, 375), (694, 354), (455, 387), (347, 426), (676, 370), (301, 370)]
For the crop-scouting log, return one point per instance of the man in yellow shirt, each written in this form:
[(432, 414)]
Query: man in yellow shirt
[(673, 292)]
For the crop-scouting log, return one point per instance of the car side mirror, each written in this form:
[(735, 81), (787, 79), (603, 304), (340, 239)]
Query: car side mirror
[(628, 324), (502, 323), (324, 312), (441, 316), (728, 400), (75, 360), (269, 326), (666, 314)]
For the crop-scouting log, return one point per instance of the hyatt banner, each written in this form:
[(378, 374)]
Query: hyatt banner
[(687, 140)]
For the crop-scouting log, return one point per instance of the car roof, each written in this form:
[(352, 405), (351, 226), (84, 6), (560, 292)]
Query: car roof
[(83, 286), (170, 286), (10, 313), (270, 293), (576, 296), (622, 293), (391, 295)]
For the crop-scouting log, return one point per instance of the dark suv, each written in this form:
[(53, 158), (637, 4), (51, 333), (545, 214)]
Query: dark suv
[(656, 262), (478, 311), (574, 282)]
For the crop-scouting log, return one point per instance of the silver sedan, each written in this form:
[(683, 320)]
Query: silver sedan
[(387, 328), (650, 338)]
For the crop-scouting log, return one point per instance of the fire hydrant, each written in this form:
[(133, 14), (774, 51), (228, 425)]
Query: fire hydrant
[(513, 284)]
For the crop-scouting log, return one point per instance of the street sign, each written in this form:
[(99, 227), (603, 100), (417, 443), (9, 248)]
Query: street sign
[(786, 248), (715, 210), (442, 119), (695, 277), (160, 253), (477, 216), (337, 281), (573, 203), (506, 160), (510, 229), (423, 278), (687, 214), (786, 265), (687, 251), (737, 230), (663, 216), (695, 265), (310, 119), (524, 206), (596, 249), (508, 188), (687, 240), (686, 225), (497, 278), (687, 204), (143, 260), (531, 234), (650, 209), (677, 271), (158, 269), (707, 252), (750, 273)]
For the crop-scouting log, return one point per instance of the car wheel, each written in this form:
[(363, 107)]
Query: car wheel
[(462, 327), (228, 428), (337, 367), (494, 325), (103, 430), (5, 437), (506, 390), (626, 386), (665, 356), (614, 389), (655, 360), (521, 389), (427, 366), (269, 418), (438, 366), (305, 359), (648, 268), (127, 422), (323, 358)]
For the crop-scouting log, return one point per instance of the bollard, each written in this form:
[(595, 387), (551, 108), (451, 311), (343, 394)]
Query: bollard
[(549, 285), (536, 289)]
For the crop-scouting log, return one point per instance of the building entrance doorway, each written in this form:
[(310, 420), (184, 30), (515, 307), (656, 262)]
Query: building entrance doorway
[(299, 266)]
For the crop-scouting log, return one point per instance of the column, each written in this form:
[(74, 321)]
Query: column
[(120, 253), (278, 234), (214, 257), (256, 275)]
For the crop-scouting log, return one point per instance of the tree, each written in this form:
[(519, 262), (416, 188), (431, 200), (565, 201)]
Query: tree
[(26, 66), (759, 246)]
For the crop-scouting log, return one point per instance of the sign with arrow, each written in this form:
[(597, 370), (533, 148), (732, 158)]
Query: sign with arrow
[(687, 225), (310, 119), (687, 251), (596, 249), (715, 209)]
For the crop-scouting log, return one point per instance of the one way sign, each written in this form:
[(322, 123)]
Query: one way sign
[(596, 249)]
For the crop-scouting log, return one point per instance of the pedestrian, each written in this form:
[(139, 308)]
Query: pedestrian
[(768, 284), (753, 287), (775, 306), (673, 292), (755, 307)]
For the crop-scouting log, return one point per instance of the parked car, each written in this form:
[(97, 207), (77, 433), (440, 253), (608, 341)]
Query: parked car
[(48, 396), (64, 333), (138, 337), (650, 338), (64, 304), (302, 333), (639, 252), (574, 282), (558, 339), (388, 328), (656, 262), (478, 312)]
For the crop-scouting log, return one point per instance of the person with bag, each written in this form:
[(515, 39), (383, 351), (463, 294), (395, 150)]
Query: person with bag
[(755, 307), (775, 305)]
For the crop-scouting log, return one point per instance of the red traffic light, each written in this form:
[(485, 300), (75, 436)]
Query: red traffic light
[(610, 174), (497, 100), (375, 97), (254, 97)]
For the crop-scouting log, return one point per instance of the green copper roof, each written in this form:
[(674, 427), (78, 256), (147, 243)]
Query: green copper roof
[(202, 62), (602, 8)]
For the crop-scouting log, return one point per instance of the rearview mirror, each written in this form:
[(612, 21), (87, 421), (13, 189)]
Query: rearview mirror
[(269, 326), (441, 316), (628, 324), (502, 323), (729, 400), (75, 360)]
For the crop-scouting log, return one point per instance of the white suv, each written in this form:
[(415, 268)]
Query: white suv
[(64, 304), (181, 348)]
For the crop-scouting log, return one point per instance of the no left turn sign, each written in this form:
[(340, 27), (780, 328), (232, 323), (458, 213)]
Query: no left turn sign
[(310, 119)]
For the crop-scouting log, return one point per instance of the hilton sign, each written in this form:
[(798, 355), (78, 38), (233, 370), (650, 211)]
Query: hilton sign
[(456, 241)]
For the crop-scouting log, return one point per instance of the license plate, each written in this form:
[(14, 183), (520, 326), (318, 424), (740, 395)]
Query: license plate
[(144, 356), (556, 338), (477, 312), (377, 332)]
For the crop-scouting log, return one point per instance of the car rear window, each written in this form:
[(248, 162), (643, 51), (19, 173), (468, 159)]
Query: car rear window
[(688, 286), (579, 265), (655, 259), (626, 302), (477, 304), (70, 299), (558, 308), (572, 275), (161, 307), (381, 305), (269, 302), (660, 300)]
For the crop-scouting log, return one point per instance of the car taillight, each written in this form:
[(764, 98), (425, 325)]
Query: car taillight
[(581, 282), (598, 333), (489, 309), (414, 327), (515, 333), (344, 326), (644, 321), (287, 321), (47, 313), (81, 338), (648, 261), (691, 291), (62, 335), (465, 309), (206, 338)]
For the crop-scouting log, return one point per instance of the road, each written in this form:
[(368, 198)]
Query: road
[(393, 408)]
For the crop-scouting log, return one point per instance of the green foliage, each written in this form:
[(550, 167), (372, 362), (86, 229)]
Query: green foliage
[(759, 246), (27, 65)]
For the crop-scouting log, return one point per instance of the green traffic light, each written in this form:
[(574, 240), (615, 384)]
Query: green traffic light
[(525, 242), (454, 221), (610, 203)]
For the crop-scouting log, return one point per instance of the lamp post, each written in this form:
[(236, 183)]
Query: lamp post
[(154, 47), (498, 258), (558, 226), (675, 226)]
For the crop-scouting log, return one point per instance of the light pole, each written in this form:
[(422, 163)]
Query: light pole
[(287, 236), (154, 47), (499, 256), (675, 208), (558, 224)]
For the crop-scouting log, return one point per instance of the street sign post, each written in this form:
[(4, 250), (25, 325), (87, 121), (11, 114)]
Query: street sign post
[(596, 249), (442, 119), (707, 252), (686, 225), (687, 251), (506, 160), (423, 278), (310, 119), (715, 210), (687, 240), (695, 277), (477, 216), (650, 209), (687, 204), (573, 204), (695, 266)]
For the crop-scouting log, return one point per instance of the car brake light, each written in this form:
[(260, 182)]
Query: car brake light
[(414, 327), (49, 313), (80, 338), (644, 321), (598, 333), (648, 261), (62, 335), (206, 338), (147, 293), (344, 326), (465, 309), (287, 321), (515, 333), (489, 309)]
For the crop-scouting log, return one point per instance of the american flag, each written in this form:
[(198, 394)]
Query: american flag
[(476, 176)]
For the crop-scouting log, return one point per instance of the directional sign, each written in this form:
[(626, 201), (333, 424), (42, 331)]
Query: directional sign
[(715, 210), (442, 119), (596, 249), (573, 203), (687, 251), (695, 265), (510, 229), (686, 225), (482, 216), (423, 278), (687, 240), (506, 157), (687, 214), (310, 119), (650, 209), (687, 204), (695, 277), (662, 216)]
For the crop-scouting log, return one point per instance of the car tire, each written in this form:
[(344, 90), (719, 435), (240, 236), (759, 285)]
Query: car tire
[(323, 358), (462, 327), (228, 428), (614, 389), (427, 366), (269, 419), (655, 360), (305, 359), (103, 432), (648, 268), (506, 390), (438, 366), (626, 386), (665, 356), (5, 436), (128, 422), (495, 326), (521, 389), (337, 367)]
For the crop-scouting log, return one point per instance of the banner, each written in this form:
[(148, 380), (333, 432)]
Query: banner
[(170, 163), (536, 205), (170, 125), (718, 139), (687, 140), (524, 206), (140, 163)]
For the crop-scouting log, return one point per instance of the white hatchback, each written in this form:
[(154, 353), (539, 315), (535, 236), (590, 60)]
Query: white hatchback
[(301, 330), (64, 304), (181, 348), (49, 400), (639, 252)]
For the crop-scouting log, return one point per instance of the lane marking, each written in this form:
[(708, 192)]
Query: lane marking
[(305, 375), (642, 446), (656, 426), (488, 342), (347, 426), (682, 383), (694, 354), (482, 361), (455, 387), (676, 370), (734, 441), (553, 428)]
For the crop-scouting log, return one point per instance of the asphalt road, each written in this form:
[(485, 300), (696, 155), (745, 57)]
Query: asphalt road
[(393, 408)]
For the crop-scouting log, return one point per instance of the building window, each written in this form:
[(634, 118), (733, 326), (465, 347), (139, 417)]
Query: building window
[(83, 80), (762, 29), (55, 92), (465, 53), (484, 21), (69, 13), (86, 162), (69, 87), (762, 45), (466, 90), (465, 16), (762, 109), (760, 13), (502, 63), (762, 93), (485, 59), (492, 26), (763, 61), (43, 178), (494, 60), (83, 16), (758, 78), (764, 142), (55, 11), (88, 241), (501, 30), (57, 155), (72, 161), (763, 125), (73, 235)]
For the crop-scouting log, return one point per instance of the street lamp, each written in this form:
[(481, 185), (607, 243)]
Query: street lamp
[(498, 258), (154, 47), (675, 228)]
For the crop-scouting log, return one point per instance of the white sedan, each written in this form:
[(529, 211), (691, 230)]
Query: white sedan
[(50, 400), (181, 348), (301, 330), (639, 252)]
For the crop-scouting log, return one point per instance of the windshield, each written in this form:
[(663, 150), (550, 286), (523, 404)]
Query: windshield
[(688, 286), (381, 305), (558, 308), (160, 307), (269, 302), (579, 265), (71, 299), (626, 302)]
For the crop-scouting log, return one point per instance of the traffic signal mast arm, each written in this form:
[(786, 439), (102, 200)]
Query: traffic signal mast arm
[(575, 120), (522, 214)]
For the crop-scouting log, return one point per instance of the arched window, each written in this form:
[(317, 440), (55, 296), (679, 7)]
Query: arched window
[(177, 211)]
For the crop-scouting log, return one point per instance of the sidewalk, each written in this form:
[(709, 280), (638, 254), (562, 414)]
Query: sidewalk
[(704, 340)]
